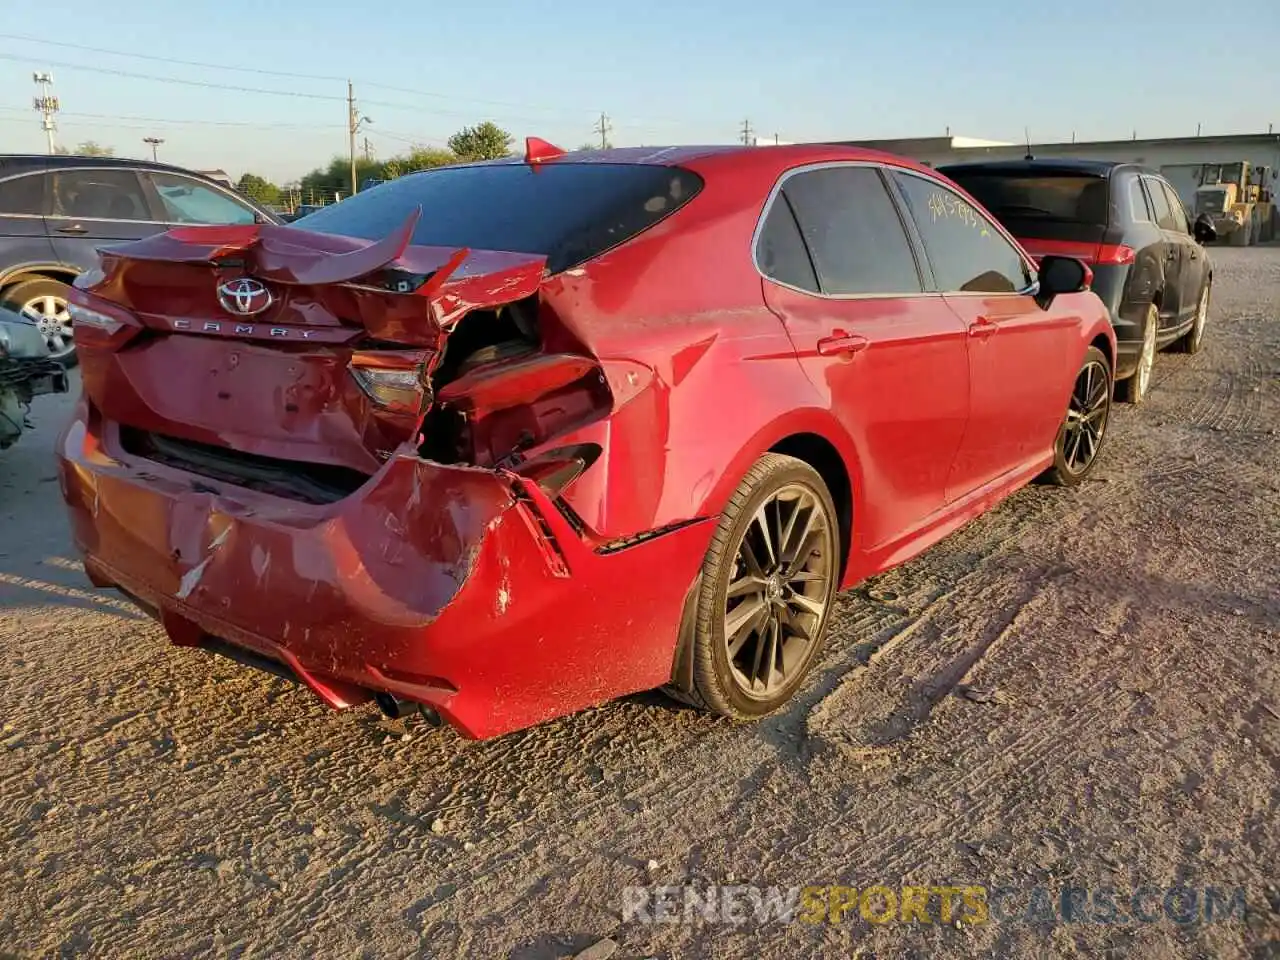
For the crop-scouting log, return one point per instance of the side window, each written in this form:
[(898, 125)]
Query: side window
[(99, 195), (967, 253), (1159, 204), (780, 251), (853, 231), (190, 201), (23, 195), (1178, 213), (1139, 212)]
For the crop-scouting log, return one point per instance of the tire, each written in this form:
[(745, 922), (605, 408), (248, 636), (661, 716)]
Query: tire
[(1090, 403), (778, 643), (45, 302), (1134, 389), (1193, 339)]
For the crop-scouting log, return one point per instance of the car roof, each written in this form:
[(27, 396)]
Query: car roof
[(1095, 168), (16, 162), (738, 156)]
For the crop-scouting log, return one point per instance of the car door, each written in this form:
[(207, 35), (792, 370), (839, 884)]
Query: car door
[(93, 207), (1191, 258), (186, 200), (1021, 357), (887, 357), (1172, 250), (23, 239)]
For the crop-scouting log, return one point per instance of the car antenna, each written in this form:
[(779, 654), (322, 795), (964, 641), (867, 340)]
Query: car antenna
[(1026, 132)]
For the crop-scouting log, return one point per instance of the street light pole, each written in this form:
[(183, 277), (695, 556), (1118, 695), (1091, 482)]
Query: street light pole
[(155, 142)]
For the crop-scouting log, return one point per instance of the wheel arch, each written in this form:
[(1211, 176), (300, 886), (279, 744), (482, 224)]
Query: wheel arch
[(37, 271)]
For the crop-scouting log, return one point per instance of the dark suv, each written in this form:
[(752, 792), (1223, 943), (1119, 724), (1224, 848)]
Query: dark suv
[(1128, 224), (55, 212)]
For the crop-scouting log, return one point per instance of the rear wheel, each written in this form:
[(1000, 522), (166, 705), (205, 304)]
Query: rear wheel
[(1080, 437), (1193, 339), (1135, 388), (768, 582), (44, 302)]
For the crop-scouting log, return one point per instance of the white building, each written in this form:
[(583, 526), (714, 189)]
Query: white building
[(1178, 158)]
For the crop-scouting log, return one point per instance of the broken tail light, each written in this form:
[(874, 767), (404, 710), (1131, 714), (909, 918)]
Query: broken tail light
[(100, 323), (393, 380)]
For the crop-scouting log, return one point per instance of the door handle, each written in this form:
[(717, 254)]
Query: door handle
[(842, 343), (983, 327), (73, 228)]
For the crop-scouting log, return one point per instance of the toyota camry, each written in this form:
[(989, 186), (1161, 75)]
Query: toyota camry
[(499, 441)]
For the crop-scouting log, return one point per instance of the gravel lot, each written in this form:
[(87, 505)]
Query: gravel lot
[(1080, 689)]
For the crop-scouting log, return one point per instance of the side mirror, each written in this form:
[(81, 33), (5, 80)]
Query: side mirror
[(1061, 275), (1204, 230)]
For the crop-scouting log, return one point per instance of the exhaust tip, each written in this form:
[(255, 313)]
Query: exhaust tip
[(397, 709)]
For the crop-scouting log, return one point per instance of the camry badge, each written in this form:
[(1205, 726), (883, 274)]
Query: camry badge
[(244, 296)]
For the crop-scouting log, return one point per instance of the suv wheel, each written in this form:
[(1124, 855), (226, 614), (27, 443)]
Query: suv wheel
[(44, 302), (1135, 388), (1193, 339)]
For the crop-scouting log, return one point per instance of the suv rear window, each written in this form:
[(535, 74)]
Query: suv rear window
[(568, 212), (1064, 198)]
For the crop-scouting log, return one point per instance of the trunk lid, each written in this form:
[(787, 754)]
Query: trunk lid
[(283, 345)]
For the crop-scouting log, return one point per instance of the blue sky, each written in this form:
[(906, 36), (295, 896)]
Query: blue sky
[(664, 71)]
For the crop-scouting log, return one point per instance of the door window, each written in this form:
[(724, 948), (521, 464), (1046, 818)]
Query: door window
[(1160, 204), (1139, 212), (780, 252), (852, 231), (99, 195), (968, 254), (190, 201), (1178, 213), (24, 195)]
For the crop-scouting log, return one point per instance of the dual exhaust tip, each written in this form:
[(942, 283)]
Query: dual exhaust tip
[(396, 709)]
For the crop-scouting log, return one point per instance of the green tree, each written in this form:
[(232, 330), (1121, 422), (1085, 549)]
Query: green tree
[(257, 188), (484, 141), (88, 148), (419, 158)]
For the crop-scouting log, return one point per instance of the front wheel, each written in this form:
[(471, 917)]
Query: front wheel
[(1075, 451), (768, 582)]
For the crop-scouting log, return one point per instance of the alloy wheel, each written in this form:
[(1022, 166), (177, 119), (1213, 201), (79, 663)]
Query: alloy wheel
[(1086, 417), (51, 315), (782, 582), (1202, 314), (1147, 359)]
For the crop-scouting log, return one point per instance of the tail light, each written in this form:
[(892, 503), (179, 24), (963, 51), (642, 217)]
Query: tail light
[(100, 323), (393, 380), (1114, 254)]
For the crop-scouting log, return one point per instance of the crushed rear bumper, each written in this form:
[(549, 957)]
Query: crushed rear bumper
[(463, 589)]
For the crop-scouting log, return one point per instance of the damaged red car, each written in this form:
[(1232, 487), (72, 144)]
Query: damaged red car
[(504, 440)]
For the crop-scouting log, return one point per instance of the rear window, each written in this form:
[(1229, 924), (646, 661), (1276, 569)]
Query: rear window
[(1064, 198), (568, 212)]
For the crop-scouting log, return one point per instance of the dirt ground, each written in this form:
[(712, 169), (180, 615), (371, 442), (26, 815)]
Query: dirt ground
[(1080, 689)]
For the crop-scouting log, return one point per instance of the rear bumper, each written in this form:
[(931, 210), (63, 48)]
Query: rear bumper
[(460, 588)]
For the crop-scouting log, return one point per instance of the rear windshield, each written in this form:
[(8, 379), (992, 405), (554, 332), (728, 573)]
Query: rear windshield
[(1064, 198), (568, 212)]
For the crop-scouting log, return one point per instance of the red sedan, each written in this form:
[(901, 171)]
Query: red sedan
[(500, 441)]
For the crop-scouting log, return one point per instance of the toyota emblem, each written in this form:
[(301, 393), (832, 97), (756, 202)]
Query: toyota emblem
[(244, 297)]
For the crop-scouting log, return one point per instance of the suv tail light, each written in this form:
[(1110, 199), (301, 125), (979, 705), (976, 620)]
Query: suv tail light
[(1114, 254)]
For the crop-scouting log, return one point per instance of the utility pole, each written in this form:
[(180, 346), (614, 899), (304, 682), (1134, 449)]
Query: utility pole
[(746, 132), (155, 142), (46, 104), (604, 127), (368, 151), (354, 124)]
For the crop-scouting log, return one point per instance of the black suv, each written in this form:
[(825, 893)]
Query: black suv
[(55, 212), (1128, 224)]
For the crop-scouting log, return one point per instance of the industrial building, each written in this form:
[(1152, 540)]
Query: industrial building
[(1178, 159)]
